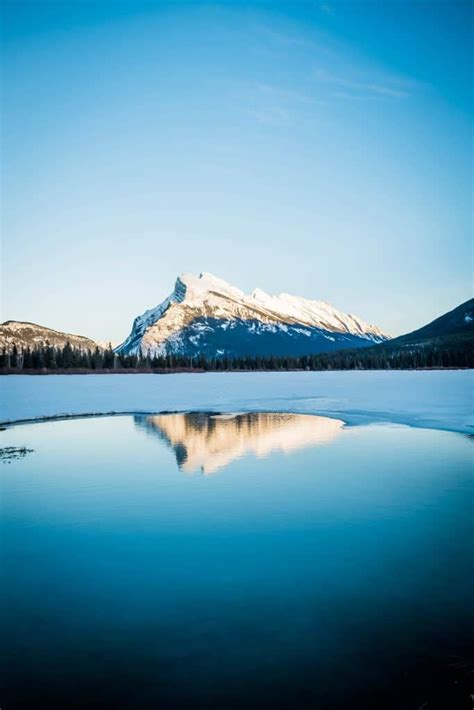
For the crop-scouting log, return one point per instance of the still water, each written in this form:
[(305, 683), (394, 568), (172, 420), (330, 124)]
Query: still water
[(246, 560)]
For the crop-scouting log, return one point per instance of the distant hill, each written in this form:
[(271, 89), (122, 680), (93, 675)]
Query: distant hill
[(30, 335), (453, 329), (448, 341)]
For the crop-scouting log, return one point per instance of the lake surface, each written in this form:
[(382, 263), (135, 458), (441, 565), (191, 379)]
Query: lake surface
[(246, 560)]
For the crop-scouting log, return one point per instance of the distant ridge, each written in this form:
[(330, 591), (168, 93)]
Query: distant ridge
[(447, 341), (453, 328), (30, 335)]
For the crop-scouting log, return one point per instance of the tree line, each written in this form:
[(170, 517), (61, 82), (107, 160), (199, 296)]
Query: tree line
[(49, 358)]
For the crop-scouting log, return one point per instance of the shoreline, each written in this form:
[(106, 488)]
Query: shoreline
[(202, 371), (353, 420), (90, 415), (437, 399)]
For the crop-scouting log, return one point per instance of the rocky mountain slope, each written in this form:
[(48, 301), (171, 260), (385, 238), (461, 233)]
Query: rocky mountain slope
[(206, 316), (30, 335)]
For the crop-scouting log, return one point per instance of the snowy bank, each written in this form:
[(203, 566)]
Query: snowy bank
[(434, 399)]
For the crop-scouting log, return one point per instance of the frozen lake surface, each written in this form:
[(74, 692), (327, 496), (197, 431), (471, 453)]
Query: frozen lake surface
[(433, 399)]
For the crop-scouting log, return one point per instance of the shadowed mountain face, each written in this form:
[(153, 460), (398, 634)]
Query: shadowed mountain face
[(455, 329), (211, 337), (448, 341), (208, 442)]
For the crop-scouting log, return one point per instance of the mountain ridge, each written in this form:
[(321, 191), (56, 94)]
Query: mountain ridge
[(206, 315), (25, 334), (454, 324), (446, 341)]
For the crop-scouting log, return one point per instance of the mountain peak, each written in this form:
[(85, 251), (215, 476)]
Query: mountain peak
[(205, 315), (259, 295), (206, 283)]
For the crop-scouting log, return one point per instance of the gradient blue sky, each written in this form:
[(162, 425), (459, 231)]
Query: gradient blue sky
[(318, 148)]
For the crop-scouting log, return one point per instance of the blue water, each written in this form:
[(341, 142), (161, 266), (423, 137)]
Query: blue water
[(247, 562)]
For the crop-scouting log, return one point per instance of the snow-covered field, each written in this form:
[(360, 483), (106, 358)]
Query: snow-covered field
[(434, 399)]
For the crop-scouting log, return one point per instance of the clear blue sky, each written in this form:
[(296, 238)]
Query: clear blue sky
[(318, 148)]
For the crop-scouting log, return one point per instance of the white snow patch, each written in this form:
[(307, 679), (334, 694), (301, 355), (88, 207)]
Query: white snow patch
[(201, 327)]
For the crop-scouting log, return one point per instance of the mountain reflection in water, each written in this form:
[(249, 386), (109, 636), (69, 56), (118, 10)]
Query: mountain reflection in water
[(208, 442)]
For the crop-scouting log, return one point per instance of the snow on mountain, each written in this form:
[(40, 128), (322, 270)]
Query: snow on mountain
[(206, 315), (24, 335)]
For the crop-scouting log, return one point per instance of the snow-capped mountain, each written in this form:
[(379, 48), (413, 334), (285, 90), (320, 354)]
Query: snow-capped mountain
[(30, 335), (207, 316)]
